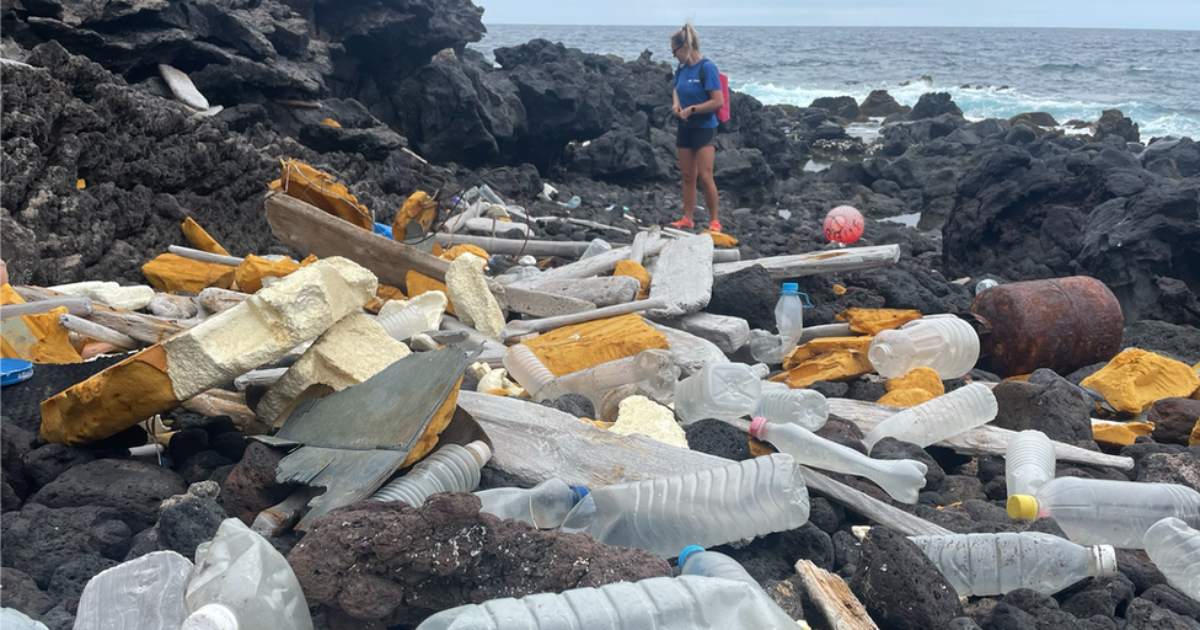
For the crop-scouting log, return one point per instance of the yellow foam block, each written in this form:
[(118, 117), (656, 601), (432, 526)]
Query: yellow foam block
[(200, 239), (419, 283), (1134, 379), (637, 271), (419, 207), (720, 239), (171, 274), (329, 122), (836, 365), (925, 378), (458, 250), (578, 347), (870, 321), (317, 188), (441, 420), (1194, 438), (36, 338), (384, 293), (253, 269), (910, 397), (1121, 434), (823, 345)]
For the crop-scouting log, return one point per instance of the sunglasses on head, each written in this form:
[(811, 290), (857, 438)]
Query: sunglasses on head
[(676, 49)]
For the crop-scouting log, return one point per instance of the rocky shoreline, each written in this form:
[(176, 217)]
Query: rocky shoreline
[(101, 164)]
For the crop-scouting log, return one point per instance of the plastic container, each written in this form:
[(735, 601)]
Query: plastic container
[(451, 468), (935, 420), (1029, 462), (544, 506), (994, 564), (490, 195), (401, 325), (529, 372), (902, 479), (803, 407), (708, 507), (694, 560), (789, 317), (1175, 549), (765, 347), (653, 371), (1104, 512), (143, 594), (724, 391), (572, 203), (597, 246), (688, 602), (241, 582), (942, 342), (13, 619)]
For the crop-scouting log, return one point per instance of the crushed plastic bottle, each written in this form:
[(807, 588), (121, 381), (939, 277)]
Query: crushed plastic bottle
[(451, 468), (994, 564), (765, 347), (1028, 462), (1105, 512), (490, 195), (143, 594), (789, 317), (724, 391), (694, 560), (688, 602), (807, 408), (596, 247), (708, 507), (935, 420), (241, 582), (544, 506), (942, 342), (1175, 549), (902, 479), (572, 203)]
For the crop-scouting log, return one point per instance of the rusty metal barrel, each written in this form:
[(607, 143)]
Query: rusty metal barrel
[(1061, 323)]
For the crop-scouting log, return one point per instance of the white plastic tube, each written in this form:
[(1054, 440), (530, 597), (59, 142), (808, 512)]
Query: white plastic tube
[(452, 468)]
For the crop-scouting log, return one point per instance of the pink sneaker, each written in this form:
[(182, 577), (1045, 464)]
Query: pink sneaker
[(714, 226), (684, 223)]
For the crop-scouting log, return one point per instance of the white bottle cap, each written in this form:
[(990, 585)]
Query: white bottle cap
[(481, 451), (211, 617), (1104, 558)]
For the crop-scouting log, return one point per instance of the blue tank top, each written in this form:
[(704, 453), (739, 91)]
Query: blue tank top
[(687, 85)]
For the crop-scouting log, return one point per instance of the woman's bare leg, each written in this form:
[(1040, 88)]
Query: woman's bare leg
[(704, 173), (687, 163)]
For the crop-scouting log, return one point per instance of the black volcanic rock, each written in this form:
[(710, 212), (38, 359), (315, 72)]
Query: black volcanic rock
[(899, 586)]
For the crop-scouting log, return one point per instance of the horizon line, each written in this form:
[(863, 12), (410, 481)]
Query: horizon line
[(777, 26)]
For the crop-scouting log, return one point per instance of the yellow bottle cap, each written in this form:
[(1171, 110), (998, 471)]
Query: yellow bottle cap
[(1022, 506)]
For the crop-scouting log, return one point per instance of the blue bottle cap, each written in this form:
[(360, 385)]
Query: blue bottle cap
[(790, 288), (580, 492), (14, 371), (688, 552)]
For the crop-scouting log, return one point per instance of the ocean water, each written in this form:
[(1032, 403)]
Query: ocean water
[(1151, 76)]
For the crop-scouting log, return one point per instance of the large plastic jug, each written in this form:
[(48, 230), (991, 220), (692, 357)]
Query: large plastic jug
[(544, 506), (935, 420), (451, 468), (724, 391), (942, 342), (145, 593), (1175, 549)]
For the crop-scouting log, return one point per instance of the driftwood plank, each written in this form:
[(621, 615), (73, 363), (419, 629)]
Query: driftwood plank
[(794, 266), (144, 328), (834, 598), (985, 440), (75, 306)]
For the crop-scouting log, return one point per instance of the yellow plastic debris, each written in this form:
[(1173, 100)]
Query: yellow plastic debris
[(35, 338), (419, 283), (80, 184), (419, 207), (200, 239), (458, 250), (918, 386), (441, 420), (172, 274), (250, 273), (839, 289), (1194, 438), (837, 365), (721, 239), (637, 271), (1134, 379), (329, 122), (1121, 434), (823, 345), (315, 187), (910, 397), (871, 321), (572, 348)]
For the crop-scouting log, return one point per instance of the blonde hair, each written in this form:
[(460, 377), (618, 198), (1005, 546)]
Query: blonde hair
[(686, 36)]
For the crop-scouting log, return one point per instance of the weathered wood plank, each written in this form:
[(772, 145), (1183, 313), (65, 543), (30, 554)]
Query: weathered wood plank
[(797, 265), (834, 598), (144, 328)]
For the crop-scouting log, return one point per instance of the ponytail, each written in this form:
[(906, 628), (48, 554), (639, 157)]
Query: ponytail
[(686, 36)]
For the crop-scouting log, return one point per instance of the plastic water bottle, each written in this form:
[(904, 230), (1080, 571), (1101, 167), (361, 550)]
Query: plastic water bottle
[(401, 325), (694, 560), (528, 370), (451, 468), (688, 602), (241, 582), (708, 507), (143, 594), (490, 195), (1104, 512), (653, 371), (1029, 462), (572, 203), (789, 317), (902, 479), (984, 285), (935, 420), (724, 391), (994, 564), (943, 342), (1175, 549), (803, 407), (544, 506), (597, 246)]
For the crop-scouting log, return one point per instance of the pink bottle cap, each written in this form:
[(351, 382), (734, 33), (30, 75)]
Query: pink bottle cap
[(757, 426)]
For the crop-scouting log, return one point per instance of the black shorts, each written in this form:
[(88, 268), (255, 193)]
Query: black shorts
[(695, 137)]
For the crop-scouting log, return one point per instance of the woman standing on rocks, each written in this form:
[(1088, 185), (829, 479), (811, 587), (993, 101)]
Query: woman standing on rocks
[(697, 97)]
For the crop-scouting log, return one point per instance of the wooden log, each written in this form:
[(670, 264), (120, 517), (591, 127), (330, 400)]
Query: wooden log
[(144, 328), (75, 305), (213, 300), (95, 331), (219, 402), (984, 440), (602, 291), (795, 266), (834, 598)]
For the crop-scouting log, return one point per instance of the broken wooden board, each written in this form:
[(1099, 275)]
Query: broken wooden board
[(834, 598), (984, 440), (831, 261), (683, 277)]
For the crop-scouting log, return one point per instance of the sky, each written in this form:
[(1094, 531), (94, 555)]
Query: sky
[(1144, 14)]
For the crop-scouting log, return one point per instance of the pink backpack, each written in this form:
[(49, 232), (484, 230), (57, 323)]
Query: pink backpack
[(723, 113)]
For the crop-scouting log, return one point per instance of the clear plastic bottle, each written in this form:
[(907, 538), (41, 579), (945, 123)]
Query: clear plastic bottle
[(943, 342), (451, 468), (528, 370), (803, 407), (544, 506), (572, 203), (241, 582), (688, 602), (694, 560), (143, 594), (935, 420), (490, 195), (709, 507), (789, 317), (902, 479), (654, 371), (13, 619), (1029, 462), (724, 391), (994, 564), (597, 246), (1175, 549), (401, 325), (765, 347), (1104, 512)]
